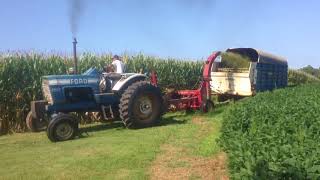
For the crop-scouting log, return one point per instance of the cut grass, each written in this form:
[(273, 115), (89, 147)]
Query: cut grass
[(108, 152)]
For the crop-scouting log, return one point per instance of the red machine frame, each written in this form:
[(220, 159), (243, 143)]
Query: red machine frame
[(192, 99)]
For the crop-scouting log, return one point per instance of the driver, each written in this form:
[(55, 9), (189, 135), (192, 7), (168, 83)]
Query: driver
[(112, 73), (118, 64)]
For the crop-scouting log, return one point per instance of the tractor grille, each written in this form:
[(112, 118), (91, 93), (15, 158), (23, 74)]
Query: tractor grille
[(46, 91)]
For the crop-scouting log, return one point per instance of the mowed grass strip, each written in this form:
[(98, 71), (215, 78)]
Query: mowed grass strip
[(193, 153), (108, 152)]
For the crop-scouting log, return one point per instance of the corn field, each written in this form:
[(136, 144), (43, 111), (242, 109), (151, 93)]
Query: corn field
[(297, 77), (20, 78)]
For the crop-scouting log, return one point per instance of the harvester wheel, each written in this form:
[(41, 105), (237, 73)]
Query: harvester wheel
[(207, 106), (62, 127), (141, 105), (35, 125)]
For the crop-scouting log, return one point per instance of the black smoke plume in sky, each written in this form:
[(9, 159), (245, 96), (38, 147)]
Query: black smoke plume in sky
[(76, 8)]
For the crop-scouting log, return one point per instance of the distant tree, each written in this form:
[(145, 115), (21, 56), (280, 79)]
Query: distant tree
[(311, 70)]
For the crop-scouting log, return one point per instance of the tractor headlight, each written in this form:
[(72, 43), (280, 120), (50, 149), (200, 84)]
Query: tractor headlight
[(46, 91)]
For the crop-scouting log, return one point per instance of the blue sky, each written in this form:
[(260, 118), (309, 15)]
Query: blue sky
[(189, 29)]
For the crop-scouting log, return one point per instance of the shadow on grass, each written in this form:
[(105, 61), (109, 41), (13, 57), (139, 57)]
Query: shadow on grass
[(172, 120), (217, 111), (118, 125), (219, 108), (102, 127), (84, 132)]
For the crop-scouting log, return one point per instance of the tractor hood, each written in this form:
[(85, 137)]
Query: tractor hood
[(70, 79), (88, 77), (54, 87)]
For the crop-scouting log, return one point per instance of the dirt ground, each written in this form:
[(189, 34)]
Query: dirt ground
[(175, 163)]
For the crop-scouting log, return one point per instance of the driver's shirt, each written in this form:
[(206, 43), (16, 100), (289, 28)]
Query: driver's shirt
[(119, 66)]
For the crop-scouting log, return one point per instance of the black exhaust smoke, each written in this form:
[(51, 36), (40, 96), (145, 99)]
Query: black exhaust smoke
[(75, 13)]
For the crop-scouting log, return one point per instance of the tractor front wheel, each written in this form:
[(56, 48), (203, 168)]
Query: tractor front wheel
[(62, 127), (141, 105), (35, 125)]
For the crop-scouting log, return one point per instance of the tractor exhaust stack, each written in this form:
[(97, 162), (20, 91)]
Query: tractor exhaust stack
[(75, 55)]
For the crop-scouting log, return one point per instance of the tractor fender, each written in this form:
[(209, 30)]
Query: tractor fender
[(127, 80)]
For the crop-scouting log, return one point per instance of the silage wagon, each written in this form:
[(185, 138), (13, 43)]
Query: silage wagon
[(265, 72)]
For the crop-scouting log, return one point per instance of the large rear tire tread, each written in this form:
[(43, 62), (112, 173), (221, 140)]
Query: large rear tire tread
[(129, 98), (68, 120)]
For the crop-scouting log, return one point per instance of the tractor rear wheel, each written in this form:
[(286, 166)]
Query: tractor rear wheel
[(62, 127), (35, 125), (141, 105)]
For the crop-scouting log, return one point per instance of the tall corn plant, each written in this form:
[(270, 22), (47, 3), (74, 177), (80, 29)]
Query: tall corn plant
[(171, 73)]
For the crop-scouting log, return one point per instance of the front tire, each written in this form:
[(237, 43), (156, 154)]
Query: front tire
[(62, 127), (141, 105)]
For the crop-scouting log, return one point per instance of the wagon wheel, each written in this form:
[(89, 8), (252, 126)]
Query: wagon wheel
[(207, 106)]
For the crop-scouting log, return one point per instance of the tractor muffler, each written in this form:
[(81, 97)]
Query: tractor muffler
[(75, 55)]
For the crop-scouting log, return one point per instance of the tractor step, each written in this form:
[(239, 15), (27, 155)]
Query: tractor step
[(107, 112)]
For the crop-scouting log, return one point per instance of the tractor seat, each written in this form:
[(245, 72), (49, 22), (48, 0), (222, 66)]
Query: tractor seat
[(113, 76), (108, 81)]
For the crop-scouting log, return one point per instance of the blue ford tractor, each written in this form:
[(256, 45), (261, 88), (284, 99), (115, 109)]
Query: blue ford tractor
[(131, 96)]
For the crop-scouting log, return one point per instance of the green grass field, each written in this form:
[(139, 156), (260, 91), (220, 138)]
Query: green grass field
[(109, 151)]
